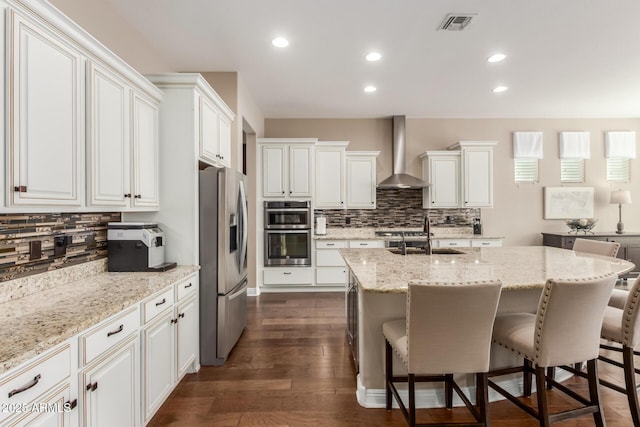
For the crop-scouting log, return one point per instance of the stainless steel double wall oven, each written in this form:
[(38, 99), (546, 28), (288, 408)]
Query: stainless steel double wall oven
[(287, 233)]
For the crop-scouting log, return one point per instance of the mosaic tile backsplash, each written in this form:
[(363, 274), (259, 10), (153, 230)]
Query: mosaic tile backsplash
[(28, 241), (401, 208)]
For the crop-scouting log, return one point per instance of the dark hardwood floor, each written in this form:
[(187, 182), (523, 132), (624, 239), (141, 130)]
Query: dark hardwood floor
[(292, 367)]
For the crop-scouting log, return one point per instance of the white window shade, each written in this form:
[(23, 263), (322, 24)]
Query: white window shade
[(575, 145), (620, 144), (527, 145)]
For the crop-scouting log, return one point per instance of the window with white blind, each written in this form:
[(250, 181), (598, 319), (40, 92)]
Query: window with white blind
[(618, 169), (572, 170), (526, 170)]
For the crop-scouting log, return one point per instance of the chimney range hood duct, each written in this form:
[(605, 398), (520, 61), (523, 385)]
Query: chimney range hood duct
[(400, 179)]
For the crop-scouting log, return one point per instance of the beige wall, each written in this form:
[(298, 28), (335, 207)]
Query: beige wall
[(104, 23), (517, 214)]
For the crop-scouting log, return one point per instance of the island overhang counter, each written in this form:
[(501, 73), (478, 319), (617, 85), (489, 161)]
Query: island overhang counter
[(379, 281)]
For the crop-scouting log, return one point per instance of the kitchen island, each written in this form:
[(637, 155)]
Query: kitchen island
[(379, 281)]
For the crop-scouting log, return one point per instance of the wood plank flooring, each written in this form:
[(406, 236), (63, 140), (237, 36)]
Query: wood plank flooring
[(292, 367)]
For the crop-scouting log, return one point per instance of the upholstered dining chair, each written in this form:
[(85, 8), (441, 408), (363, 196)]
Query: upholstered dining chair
[(564, 331), (447, 331), (597, 247), (621, 326)]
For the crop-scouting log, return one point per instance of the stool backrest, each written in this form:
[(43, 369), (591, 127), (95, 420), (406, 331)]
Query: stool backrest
[(631, 317), (569, 319), (449, 326), (597, 247)]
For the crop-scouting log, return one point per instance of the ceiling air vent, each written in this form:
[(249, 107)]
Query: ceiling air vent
[(456, 22)]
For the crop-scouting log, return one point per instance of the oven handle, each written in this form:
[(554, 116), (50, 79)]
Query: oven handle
[(298, 231), (286, 210)]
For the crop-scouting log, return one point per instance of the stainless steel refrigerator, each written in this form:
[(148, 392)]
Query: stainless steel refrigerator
[(223, 262)]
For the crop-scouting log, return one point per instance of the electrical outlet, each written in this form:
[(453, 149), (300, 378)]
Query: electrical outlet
[(35, 250), (347, 220)]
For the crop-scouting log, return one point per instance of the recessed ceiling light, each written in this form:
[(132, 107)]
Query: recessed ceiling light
[(499, 89), (370, 89), (373, 56), (280, 42), (496, 57)]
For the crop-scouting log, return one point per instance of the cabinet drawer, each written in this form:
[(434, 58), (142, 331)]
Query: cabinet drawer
[(331, 276), (331, 244), (366, 243), (329, 258), (31, 382), (187, 287), (157, 304), (449, 243), (493, 243), (108, 334), (288, 276)]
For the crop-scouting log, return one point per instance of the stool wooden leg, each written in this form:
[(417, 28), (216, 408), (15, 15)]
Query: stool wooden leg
[(527, 378), (594, 391), (412, 400), (448, 391), (482, 397), (543, 407), (551, 374), (630, 382), (388, 361)]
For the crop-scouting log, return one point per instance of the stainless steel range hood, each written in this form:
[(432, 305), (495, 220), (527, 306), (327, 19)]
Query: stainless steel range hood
[(400, 178)]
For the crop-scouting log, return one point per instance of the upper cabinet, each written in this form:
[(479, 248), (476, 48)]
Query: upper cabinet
[(83, 125), (460, 177), (330, 190), (361, 179), (215, 128), (287, 167), (46, 116)]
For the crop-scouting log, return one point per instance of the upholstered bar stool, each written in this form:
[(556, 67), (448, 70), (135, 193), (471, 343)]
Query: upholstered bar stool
[(597, 247), (447, 331), (621, 325), (565, 330)]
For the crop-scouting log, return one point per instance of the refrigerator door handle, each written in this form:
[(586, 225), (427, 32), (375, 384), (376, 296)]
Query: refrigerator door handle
[(243, 227), (242, 290)]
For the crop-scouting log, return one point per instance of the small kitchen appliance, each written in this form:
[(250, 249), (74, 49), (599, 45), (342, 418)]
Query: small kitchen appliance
[(136, 246), (321, 225)]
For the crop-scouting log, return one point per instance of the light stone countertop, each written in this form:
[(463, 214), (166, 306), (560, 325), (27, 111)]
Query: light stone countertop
[(380, 271), (34, 323), (348, 233)]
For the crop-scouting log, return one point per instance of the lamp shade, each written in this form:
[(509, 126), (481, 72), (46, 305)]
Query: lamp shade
[(621, 197)]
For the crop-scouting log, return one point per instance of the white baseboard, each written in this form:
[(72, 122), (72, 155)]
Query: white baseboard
[(253, 292), (301, 288), (434, 398)]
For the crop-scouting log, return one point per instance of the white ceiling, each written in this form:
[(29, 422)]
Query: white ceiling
[(566, 58)]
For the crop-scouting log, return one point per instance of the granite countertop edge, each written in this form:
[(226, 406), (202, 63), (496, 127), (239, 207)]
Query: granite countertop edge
[(369, 234), (33, 324)]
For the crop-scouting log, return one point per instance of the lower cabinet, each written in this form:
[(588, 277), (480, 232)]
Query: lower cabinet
[(330, 266), (467, 243), (52, 411), (188, 337), (158, 343), (111, 388)]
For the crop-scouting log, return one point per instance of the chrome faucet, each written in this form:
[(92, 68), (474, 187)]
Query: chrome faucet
[(427, 230), (403, 248)]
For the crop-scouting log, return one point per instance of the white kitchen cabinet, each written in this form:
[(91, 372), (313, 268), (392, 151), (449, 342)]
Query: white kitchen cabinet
[(330, 266), (46, 126), (57, 412), (215, 127), (441, 169), (467, 243), (330, 175), (363, 244), (460, 177), (187, 338), (108, 138), (111, 388), (477, 174), (287, 167), (288, 276), (122, 143), (361, 179), (158, 344)]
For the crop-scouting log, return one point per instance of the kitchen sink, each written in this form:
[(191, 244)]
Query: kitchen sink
[(421, 251)]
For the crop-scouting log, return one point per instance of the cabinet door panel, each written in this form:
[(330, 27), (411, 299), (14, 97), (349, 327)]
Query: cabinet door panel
[(478, 178), (445, 182), (46, 130), (158, 344), (361, 183), (329, 178), (145, 152), (111, 397), (224, 128), (108, 133), (300, 171), (209, 133), (273, 171), (188, 335)]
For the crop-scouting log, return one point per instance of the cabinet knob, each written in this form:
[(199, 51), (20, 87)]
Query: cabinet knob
[(127, 195), (92, 387), (71, 404), (138, 196)]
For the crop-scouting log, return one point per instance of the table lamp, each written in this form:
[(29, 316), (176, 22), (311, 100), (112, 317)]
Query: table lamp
[(620, 197)]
